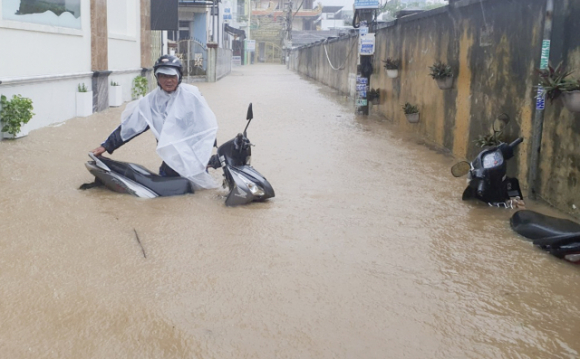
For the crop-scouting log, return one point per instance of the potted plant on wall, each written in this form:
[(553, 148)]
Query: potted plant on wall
[(571, 95), (392, 67), (115, 94), (443, 74), (84, 101), (374, 96), (411, 112), (14, 113), (555, 83)]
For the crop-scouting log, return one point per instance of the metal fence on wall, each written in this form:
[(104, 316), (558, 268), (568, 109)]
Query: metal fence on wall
[(193, 53), (156, 45)]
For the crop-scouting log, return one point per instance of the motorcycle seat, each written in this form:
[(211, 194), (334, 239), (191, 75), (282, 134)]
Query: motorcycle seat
[(545, 230), (163, 186)]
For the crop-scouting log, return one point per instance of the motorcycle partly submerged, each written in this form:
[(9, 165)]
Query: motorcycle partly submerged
[(487, 179), (244, 182), (559, 237)]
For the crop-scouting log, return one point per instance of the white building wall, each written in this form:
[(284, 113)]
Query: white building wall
[(45, 63), (124, 44)]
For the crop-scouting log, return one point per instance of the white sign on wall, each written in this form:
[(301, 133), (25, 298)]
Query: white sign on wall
[(366, 44), (250, 45)]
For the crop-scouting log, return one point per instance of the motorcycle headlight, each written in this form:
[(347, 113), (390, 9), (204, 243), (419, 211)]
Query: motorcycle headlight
[(492, 159), (254, 188)]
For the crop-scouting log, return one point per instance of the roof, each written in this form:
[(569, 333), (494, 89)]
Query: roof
[(331, 9), (305, 37)]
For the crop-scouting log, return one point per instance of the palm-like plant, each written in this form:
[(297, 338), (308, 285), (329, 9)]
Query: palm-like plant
[(392, 64), (553, 81), (440, 70)]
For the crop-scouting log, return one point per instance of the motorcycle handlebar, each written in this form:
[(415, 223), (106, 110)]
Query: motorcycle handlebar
[(516, 142)]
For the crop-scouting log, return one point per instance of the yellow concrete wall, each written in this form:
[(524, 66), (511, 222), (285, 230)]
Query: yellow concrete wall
[(494, 47)]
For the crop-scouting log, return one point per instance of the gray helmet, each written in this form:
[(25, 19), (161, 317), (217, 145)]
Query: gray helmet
[(171, 62)]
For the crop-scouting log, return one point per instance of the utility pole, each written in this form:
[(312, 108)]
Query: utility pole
[(538, 122), (365, 12)]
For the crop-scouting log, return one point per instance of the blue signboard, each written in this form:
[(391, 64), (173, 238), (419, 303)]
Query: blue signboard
[(366, 4), (540, 99), (362, 80)]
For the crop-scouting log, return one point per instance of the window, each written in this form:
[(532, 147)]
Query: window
[(61, 13), (122, 18)]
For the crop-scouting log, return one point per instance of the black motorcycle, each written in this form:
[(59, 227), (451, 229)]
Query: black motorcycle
[(244, 182), (560, 237), (487, 176)]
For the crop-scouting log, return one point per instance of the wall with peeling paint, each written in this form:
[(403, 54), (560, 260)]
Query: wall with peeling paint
[(494, 47)]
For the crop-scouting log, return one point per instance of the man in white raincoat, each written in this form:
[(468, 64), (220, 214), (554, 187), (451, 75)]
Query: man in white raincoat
[(180, 119)]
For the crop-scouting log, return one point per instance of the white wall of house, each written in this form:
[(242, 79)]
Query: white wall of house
[(45, 57), (124, 52), (44, 62)]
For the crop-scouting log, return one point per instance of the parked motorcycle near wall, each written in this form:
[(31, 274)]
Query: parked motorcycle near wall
[(487, 179), (560, 237)]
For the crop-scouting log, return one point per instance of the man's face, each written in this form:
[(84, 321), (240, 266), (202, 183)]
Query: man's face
[(168, 83)]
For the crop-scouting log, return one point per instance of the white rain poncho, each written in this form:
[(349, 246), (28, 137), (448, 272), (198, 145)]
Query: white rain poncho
[(185, 128)]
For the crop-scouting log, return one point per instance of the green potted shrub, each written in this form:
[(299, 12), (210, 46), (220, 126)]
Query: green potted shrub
[(411, 112), (139, 89), (84, 101), (443, 74), (571, 95), (555, 83), (14, 113), (115, 94), (392, 67), (374, 96)]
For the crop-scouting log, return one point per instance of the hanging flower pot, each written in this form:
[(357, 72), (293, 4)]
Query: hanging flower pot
[(392, 67), (443, 74), (445, 83), (411, 112), (413, 117), (571, 100)]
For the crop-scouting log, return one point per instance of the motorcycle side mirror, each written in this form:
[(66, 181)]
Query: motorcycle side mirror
[(250, 114), (460, 169), (500, 122)]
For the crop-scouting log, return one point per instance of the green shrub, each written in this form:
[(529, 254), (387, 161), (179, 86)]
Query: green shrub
[(140, 84), (15, 113)]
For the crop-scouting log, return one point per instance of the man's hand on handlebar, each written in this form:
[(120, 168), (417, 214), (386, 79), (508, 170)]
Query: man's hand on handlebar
[(98, 151)]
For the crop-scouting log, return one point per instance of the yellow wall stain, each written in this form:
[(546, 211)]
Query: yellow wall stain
[(463, 104)]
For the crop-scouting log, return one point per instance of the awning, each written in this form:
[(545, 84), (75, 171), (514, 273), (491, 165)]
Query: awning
[(233, 31)]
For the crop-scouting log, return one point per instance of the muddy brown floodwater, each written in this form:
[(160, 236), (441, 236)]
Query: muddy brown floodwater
[(365, 252)]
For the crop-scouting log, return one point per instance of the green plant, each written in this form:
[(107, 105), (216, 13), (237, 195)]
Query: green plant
[(392, 64), (440, 70), (374, 95), (409, 109), (15, 113), (553, 81), (571, 85), (82, 87), (489, 140), (140, 84), (113, 83)]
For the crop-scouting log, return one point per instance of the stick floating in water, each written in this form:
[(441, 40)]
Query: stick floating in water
[(139, 241)]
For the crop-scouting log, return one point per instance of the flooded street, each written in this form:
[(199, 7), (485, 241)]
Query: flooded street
[(366, 251)]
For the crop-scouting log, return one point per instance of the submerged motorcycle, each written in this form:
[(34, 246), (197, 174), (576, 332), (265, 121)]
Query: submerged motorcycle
[(487, 179), (244, 182), (559, 237)]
